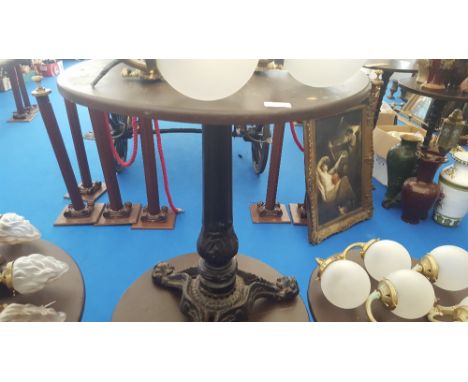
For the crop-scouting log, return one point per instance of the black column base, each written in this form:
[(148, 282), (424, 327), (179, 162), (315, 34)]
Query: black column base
[(199, 304)]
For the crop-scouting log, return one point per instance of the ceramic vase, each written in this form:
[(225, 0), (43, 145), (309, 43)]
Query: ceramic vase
[(419, 193), (453, 203), (401, 164)]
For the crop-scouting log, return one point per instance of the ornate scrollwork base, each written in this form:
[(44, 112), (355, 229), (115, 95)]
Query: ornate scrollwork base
[(124, 212), (86, 212), (265, 212), (147, 217), (90, 190), (202, 304)]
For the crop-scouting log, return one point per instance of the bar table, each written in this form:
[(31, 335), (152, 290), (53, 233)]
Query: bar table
[(211, 285)]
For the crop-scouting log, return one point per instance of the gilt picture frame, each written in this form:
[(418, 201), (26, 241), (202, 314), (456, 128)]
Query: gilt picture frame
[(338, 157)]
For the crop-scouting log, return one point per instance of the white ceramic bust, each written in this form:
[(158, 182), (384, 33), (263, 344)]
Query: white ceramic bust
[(30, 313), (15, 229), (32, 273)]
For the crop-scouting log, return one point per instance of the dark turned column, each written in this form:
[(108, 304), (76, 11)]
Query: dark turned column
[(149, 166), (107, 162), (383, 90), (50, 122), (20, 110), (217, 243), (275, 163), (433, 118), (75, 129), (22, 86)]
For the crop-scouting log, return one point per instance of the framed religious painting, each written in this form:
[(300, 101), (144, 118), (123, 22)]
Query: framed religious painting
[(338, 168)]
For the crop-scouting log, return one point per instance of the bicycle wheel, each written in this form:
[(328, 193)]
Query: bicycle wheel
[(260, 146)]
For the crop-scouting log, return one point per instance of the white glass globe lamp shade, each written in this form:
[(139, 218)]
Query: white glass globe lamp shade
[(323, 73), (452, 267), (383, 257), (416, 295), (206, 80), (345, 284), (407, 293)]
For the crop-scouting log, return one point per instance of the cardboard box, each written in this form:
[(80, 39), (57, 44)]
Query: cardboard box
[(387, 115), (385, 137), (5, 84)]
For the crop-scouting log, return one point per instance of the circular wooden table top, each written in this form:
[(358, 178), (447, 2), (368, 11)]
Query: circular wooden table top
[(413, 86), (68, 291), (157, 99), (323, 310), (399, 66), (145, 302)]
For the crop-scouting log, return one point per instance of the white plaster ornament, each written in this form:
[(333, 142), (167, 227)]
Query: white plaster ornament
[(30, 313), (32, 273), (15, 229)]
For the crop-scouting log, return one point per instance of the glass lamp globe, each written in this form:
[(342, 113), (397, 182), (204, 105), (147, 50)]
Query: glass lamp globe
[(453, 267), (207, 80), (345, 284), (415, 293), (323, 73), (384, 257)]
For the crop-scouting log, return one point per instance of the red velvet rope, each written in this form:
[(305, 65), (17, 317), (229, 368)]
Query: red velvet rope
[(163, 167), (115, 154), (296, 139)]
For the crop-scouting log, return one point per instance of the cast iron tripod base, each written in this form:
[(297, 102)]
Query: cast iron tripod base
[(201, 304), (143, 302)]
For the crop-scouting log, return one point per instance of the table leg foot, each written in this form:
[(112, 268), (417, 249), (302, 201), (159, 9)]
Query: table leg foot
[(128, 214), (27, 116), (164, 220), (88, 216), (261, 215), (90, 194), (298, 213)]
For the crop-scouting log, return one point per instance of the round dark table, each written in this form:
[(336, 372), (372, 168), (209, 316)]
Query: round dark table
[(68, 291), (217, 244), (323, 310), (440, 99), (388, 67)]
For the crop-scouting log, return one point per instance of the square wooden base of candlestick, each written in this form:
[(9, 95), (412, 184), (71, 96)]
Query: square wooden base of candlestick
[(257, 219), (28, 116), (89, 220), (91, 197), (168, 224), (131, 219), (296, 214)]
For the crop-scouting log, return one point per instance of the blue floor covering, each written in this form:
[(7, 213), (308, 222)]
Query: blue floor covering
[(112, 258)]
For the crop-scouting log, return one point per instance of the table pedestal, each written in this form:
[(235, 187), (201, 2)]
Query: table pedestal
[(67, 292), (214, 289)]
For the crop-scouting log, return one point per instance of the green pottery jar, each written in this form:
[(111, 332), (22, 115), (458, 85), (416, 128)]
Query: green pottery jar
[(401, 165)]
